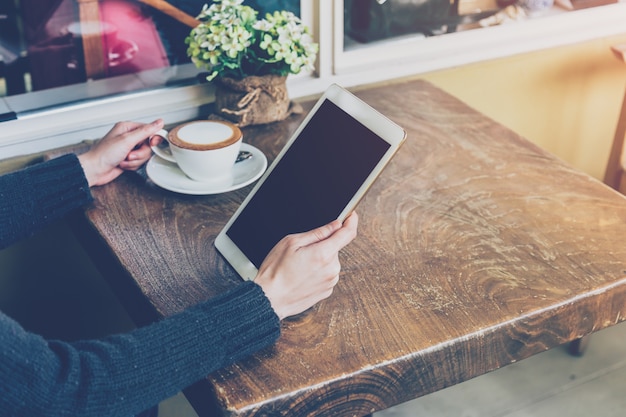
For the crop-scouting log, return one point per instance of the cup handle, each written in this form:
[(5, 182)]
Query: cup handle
[(163, 149)]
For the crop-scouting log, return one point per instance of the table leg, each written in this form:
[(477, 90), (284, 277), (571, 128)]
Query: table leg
[(577, 347)]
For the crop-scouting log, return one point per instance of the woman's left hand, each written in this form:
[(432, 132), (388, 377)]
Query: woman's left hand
[(125, 148)]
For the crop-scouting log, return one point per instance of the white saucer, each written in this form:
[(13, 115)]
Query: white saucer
[(167, 175)]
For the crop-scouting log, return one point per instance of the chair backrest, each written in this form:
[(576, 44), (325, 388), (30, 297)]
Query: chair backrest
[(172, 11), (615, 174), (89, 14)]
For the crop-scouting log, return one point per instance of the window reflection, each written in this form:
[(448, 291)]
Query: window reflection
[(374, 20), (47, 44)]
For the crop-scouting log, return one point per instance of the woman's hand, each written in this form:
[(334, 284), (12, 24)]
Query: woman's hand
[(125, 148), (302, 269)]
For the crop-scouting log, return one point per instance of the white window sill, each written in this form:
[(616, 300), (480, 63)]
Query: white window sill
[(39, 131)]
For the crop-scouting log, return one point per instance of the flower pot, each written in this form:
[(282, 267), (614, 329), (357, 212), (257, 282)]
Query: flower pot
[(252, 100)]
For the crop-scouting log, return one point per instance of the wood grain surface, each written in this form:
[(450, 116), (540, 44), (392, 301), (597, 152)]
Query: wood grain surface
[(476, 249)]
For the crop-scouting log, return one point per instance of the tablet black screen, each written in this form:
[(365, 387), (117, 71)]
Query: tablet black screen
[(312, 183)]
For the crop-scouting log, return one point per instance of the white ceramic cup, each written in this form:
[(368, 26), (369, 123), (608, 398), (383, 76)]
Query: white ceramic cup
[(205, 150)]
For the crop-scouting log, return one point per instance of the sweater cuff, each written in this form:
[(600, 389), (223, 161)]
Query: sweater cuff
[(213, 334), (255, 323), (62, 186), (40, 194)]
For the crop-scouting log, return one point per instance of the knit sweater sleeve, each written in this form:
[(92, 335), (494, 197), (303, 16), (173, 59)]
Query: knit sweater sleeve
[(124, 374), (127, 373), (38, 195)]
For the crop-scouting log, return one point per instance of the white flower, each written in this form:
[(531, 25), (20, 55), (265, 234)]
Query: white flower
[(263, 25), (231, 41)]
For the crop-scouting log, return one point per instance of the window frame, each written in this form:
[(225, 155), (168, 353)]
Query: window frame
[(39, 130)]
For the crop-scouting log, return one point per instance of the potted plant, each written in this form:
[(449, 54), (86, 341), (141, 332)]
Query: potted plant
[(250, 58)]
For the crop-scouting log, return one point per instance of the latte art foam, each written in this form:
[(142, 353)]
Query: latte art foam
[(205, 135)]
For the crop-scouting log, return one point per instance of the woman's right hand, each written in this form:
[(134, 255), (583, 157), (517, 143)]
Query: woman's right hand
[(302, 269)]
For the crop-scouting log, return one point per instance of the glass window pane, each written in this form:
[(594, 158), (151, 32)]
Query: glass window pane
[(368, 21), (99, 47)]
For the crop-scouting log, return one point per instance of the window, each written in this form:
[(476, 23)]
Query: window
[(57, 110), (364, 45), (98, 48)]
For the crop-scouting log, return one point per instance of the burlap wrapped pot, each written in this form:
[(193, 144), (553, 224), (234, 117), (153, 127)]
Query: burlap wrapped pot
[(252, 100)]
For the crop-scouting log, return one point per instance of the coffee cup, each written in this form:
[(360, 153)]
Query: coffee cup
[(205, 150)]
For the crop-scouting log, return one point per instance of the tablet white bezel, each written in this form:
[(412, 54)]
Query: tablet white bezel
[(360, 111)]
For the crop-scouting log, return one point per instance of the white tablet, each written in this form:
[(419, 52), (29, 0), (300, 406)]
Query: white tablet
[(319, 176)]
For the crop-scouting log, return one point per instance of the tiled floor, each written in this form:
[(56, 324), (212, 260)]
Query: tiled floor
[(550, 384)]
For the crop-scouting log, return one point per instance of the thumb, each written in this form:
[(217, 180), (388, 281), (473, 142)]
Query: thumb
[(319, 234), (347, 232)]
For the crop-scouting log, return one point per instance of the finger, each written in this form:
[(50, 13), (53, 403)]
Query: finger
[(121, 128), (130, 165), (342, 236), (142, 132), (352, 221), (141, 154), (155, 140), (324, 232), (318, 234), (130, 126), (135, 159), (348, 232)]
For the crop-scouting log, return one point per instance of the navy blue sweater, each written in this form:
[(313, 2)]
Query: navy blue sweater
[(123, 374)]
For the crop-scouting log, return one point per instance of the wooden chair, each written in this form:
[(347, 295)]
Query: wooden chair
[(89, 12), (172, 11), (614, 175)]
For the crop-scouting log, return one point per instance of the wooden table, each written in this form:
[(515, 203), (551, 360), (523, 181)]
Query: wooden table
[(476, 249)]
